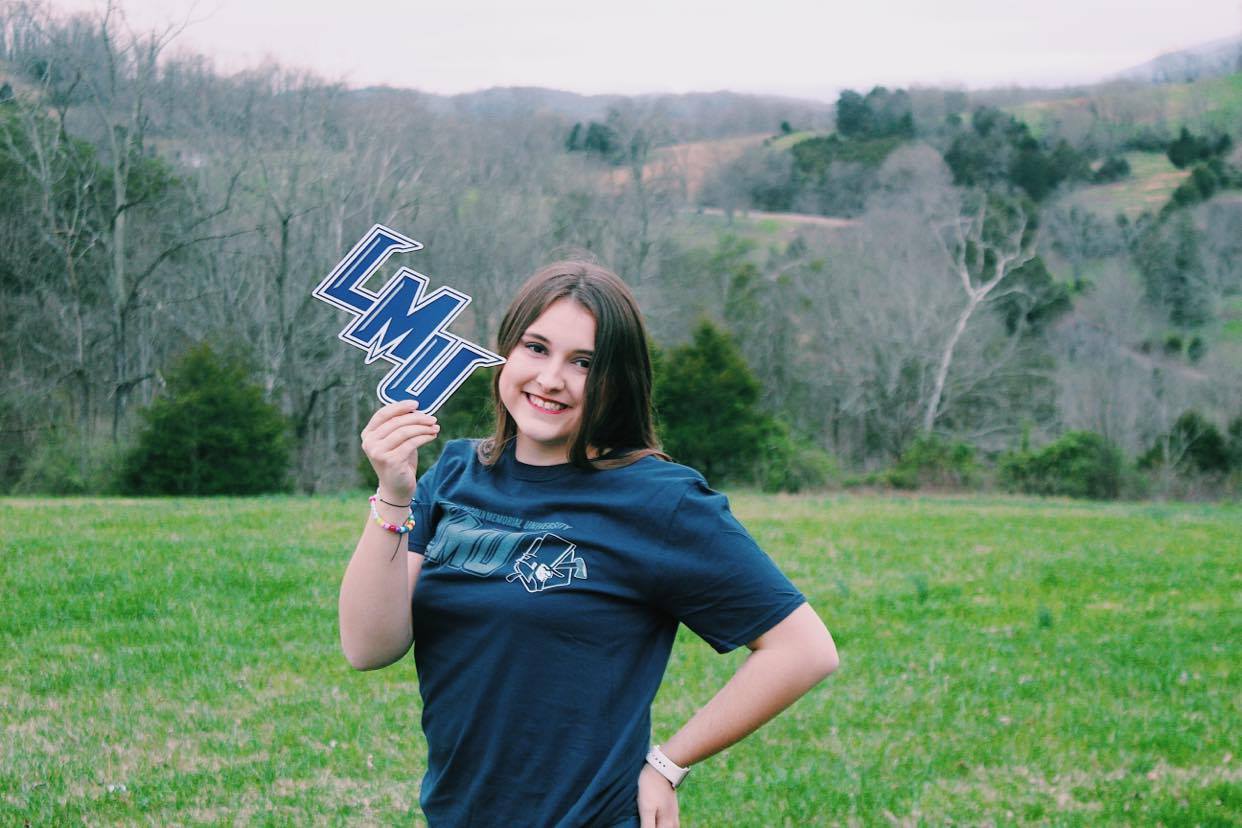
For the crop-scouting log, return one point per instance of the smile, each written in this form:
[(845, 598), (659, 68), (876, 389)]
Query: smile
[(545, 405)]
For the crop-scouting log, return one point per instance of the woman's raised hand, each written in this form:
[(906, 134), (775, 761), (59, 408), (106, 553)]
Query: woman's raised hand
[(391, 441)]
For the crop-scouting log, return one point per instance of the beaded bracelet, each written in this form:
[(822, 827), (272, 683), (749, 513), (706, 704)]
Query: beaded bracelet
[(389, 502), (391, 527)]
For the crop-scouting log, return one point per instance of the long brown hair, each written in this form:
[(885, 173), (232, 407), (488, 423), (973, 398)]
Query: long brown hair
[(616, 421)]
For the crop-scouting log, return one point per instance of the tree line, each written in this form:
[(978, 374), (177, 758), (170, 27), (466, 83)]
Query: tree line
[(165, 224)]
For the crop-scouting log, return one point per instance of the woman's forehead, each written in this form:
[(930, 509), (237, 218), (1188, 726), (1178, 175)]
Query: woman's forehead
[(565, 324)]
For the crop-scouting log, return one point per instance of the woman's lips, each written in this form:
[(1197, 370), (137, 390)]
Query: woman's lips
[(532, 398)]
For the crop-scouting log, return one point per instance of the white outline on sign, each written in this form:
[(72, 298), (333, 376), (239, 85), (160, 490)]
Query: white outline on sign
[(348, 279)]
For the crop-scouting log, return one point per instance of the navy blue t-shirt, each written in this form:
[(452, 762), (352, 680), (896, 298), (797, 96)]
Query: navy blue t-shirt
[(544, 616)]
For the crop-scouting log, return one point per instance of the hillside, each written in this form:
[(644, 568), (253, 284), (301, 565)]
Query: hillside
[(1151, 181), (1212, 104), (1207, 60), (686, 117)]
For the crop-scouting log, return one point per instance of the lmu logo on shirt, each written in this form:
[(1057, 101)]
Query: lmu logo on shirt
[(547, 563)]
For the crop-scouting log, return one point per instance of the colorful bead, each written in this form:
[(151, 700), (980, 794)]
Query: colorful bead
[(405, 527)]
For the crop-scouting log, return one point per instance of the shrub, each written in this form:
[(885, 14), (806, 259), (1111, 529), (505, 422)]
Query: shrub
[(708, 405), (1234, 443), (211, 433), (1189, 148), (1114, 168), (1169, 256), (1194, 443), (792, 464), (1204, 181), (932, 461), (68, 463), (1078, 464)]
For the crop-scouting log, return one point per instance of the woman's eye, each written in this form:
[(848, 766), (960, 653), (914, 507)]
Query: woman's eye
[(536, 347), (583, 363)]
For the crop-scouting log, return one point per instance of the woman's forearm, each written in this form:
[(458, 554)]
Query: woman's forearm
[(774, 675), (375, 609)]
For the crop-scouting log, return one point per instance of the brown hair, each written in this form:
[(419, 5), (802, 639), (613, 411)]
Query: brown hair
[(616, 416)]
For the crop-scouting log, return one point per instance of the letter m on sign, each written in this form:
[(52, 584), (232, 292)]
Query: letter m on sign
[(404, 323)]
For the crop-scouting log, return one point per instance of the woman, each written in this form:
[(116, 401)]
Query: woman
[(541, 575)]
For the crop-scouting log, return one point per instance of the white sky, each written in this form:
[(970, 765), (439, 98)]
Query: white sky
[(792, 47)]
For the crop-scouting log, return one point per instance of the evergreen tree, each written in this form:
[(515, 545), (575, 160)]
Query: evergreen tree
[(211, 433), (1193, 443), (1034, 299), (1183, 150), (1189, 148), (707, 401), (1233, 443), (881, 114), (600, 139), (1167, 254), (1114, 168), (853, 116)]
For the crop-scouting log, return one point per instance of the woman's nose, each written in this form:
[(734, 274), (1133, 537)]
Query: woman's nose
[(550, 377)]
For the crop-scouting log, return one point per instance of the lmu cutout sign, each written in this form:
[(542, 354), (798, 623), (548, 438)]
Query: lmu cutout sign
[(403, 323)]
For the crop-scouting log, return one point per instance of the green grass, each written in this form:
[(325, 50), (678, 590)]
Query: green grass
[(1003, 661), (1213, 103), (1152, 179), (1231, 331), (1231, 321), (784, 142)]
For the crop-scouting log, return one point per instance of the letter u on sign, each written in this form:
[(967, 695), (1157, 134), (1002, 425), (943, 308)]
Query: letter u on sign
[(403, 323)]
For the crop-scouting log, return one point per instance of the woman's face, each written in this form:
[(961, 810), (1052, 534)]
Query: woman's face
[(543, 383)]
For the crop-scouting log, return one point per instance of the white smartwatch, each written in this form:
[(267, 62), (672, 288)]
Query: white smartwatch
[(667, 768)]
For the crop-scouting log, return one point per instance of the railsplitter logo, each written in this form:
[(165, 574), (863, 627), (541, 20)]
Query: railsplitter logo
[(403, 323)]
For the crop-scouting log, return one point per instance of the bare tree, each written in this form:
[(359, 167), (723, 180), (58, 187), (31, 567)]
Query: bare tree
[(981, 248), (1106, 384), (62, 174), (103, 76)]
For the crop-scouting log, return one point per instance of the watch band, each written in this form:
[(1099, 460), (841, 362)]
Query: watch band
[(669, 769)]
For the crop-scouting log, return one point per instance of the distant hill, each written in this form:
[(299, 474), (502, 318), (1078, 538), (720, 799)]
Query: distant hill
[(691, 116), (1208, 60)]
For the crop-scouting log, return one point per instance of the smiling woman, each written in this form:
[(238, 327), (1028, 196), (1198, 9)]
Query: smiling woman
[(543, 383), (573, 338), (546, 569)]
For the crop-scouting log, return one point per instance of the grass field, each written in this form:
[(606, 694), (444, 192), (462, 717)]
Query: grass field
[(1003, 661), (1151, 182)]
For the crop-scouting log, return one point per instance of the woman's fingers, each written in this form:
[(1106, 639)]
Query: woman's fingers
[(386, 428), (395, 442), (387, 412)]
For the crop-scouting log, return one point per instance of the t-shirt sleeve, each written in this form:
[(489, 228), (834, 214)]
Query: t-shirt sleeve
[(715, 579)]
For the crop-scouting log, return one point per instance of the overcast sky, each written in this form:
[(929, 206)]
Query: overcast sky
[(791, 47)]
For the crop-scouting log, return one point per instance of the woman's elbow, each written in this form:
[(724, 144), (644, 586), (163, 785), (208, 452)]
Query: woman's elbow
[(360, 662), (806, 645), (822, 658), (363, 663), (370, 657), (829, 661)]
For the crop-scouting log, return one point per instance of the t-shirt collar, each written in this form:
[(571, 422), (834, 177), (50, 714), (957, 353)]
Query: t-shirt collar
[(526, 471)]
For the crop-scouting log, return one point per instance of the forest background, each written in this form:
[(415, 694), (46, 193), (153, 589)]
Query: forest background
[(1032, 289)]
